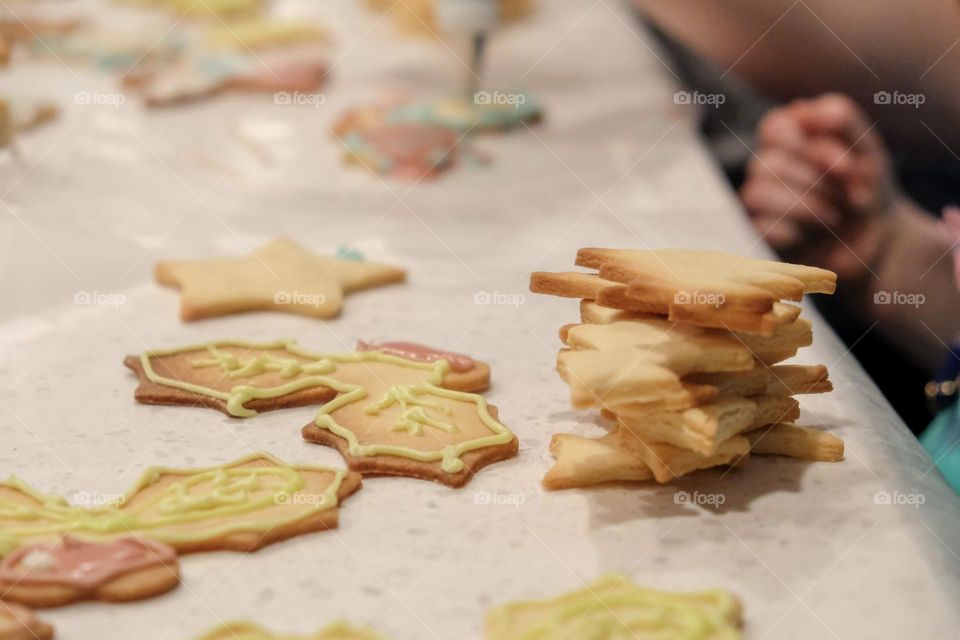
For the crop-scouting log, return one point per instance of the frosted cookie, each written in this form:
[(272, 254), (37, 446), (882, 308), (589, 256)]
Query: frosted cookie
[(303, 74), (391, 408), (263, 32), (614, 607), (239, 506), (223, 9), (483, 112), (241, 378), (405, 150), (19, 623), (188, 79), (421, 139), (197, 76), (72, 569), (250, 631), (20, 28), (113, 49), (282, 276)]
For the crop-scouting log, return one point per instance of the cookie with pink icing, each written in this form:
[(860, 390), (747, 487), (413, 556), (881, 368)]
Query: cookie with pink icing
[(70, 569), (465, 374)]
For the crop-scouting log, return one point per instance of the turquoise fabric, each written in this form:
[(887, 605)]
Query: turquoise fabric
[(942, 441)]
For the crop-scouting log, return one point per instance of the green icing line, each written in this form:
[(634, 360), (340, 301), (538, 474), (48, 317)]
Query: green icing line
[(230, 495), (240, 630), (615, 609), (413, 418)]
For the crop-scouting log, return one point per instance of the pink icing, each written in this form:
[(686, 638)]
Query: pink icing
[(87, 565), (303, 75), (420, 353)]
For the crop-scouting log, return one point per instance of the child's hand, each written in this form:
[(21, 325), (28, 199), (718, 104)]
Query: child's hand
[(821, 184)]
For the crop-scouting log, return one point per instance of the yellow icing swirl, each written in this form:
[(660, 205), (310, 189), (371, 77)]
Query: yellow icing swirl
[(201, 496), (317, 370), (615, 609), (249, 631)]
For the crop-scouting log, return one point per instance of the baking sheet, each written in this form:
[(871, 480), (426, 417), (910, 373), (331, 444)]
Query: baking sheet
[(102, 194)]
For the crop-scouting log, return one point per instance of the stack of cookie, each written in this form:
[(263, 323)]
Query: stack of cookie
[(683, 351)]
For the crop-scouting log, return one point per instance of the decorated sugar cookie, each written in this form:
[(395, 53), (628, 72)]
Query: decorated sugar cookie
[(262, 32), (485, 111), (207, 8), (19, 623), (392, 408), (616, 608), (250, 631), (21, 28), (240, 506), (421, 139), (201, 75), (72, 569), (408, 150), (113, 49)]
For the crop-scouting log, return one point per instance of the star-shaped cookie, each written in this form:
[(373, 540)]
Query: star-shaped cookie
[(282, 276)]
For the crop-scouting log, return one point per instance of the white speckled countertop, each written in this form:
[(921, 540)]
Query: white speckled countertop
[(103, 193)]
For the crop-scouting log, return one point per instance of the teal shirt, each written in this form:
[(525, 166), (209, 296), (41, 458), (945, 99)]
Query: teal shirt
[(942, 441)]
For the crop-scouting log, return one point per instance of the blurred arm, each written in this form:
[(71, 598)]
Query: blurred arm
[(789, 49)]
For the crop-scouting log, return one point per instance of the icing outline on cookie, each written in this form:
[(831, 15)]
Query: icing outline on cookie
[(114, 519), (324, 363)]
